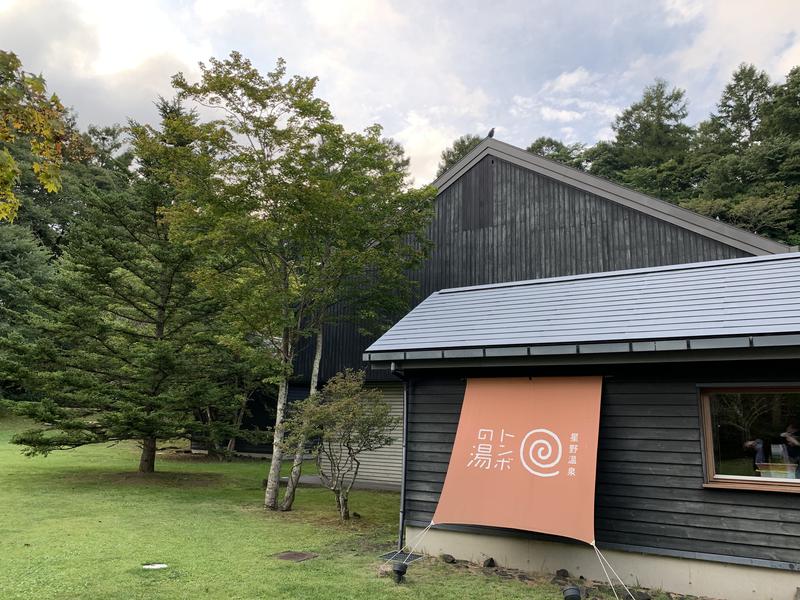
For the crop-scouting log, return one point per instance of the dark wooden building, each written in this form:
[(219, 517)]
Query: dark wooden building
[(503, 214), (698, 482)]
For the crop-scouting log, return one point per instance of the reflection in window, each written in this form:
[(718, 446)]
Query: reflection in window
[(755, 434)]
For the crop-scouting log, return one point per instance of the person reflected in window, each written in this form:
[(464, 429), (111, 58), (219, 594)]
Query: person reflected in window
[(756, 446), (791, 438)]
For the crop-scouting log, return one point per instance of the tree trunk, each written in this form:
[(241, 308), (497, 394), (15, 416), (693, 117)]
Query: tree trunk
[(238, 422), (274, 477), (299, 453), (342, 505), (147, 463)]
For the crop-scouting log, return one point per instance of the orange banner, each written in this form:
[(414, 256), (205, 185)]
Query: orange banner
[(525, 456)]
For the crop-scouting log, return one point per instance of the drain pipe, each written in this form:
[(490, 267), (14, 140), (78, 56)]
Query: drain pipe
[(402, 536)]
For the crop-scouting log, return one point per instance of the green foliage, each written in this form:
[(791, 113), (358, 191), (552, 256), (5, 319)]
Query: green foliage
[(652, 130), (571, 155), (781, 114), (108, 150), (460, 148), (24, 268), (742, 103), (345, 420), (301, 215), (771, 215), (27, 111), (651, 144), (125, 343), (51, 215)]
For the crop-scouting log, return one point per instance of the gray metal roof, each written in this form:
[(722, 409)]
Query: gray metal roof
[(719, 304), (666, 211)]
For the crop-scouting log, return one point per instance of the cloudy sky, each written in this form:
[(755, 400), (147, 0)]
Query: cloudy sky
[(427, 70)]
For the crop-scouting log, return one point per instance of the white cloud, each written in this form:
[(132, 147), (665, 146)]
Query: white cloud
[(577, 96), (148, 33), (521, 106), (554, 114), (569, 135), (603, 109), (424, 141), (605, 133), (354, 19), (679, 12), (570, 80), (732, 32)]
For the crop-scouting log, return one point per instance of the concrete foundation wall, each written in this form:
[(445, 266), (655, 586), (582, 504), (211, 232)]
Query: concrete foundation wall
[(680, 575)]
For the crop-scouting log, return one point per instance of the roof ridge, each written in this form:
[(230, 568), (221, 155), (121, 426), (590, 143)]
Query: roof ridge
[(626, 272)]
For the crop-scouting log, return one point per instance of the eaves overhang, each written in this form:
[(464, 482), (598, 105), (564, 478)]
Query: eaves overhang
[(667, 350)]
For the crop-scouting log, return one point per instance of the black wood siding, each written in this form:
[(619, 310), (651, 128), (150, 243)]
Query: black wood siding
[(649, 476), (500, 222)]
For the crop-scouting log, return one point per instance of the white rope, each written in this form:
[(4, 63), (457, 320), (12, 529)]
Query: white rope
[(597, 552), (610, 566), (604, 559), (417, 539), (414, 547)]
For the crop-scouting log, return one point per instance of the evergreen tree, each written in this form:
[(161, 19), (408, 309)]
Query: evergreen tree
[(747, 156), (652, 130), (24, 269), (650, 145), (125, 346), (781, 115), (741, 106)]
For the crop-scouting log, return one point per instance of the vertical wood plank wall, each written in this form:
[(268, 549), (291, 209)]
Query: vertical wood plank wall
[(385, 465)]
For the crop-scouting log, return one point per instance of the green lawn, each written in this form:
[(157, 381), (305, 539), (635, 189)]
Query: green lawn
[(80, 524)]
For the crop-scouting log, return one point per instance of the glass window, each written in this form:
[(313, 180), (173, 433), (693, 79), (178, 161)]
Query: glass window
[(752, 437)]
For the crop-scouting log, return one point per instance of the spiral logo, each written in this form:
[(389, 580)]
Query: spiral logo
[(540, 452)]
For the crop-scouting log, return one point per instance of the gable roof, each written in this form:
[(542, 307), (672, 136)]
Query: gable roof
[(718, 304), (666, 211)]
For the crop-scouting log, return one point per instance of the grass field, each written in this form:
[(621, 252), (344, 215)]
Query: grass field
[(80, 525)]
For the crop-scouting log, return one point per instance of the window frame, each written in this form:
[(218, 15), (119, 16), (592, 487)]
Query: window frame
[(713, 480)]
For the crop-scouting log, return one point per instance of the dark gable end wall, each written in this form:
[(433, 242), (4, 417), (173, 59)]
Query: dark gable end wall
[(539, 227), (500, 222), (650, 475)]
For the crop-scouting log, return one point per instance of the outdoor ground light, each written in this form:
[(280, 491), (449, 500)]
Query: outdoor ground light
[(571, 593), (399, 569)]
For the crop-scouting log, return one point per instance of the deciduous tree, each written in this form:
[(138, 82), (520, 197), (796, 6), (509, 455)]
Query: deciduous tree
[(307, 216), (27, 111), (345, 419), (460, 148), (568, 154)]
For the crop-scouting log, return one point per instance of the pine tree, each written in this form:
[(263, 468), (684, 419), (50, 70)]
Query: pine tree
[(742, 103), (126, 346)]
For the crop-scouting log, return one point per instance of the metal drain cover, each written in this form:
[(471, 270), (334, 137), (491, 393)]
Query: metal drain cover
[(401, 557), (295, 556)]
